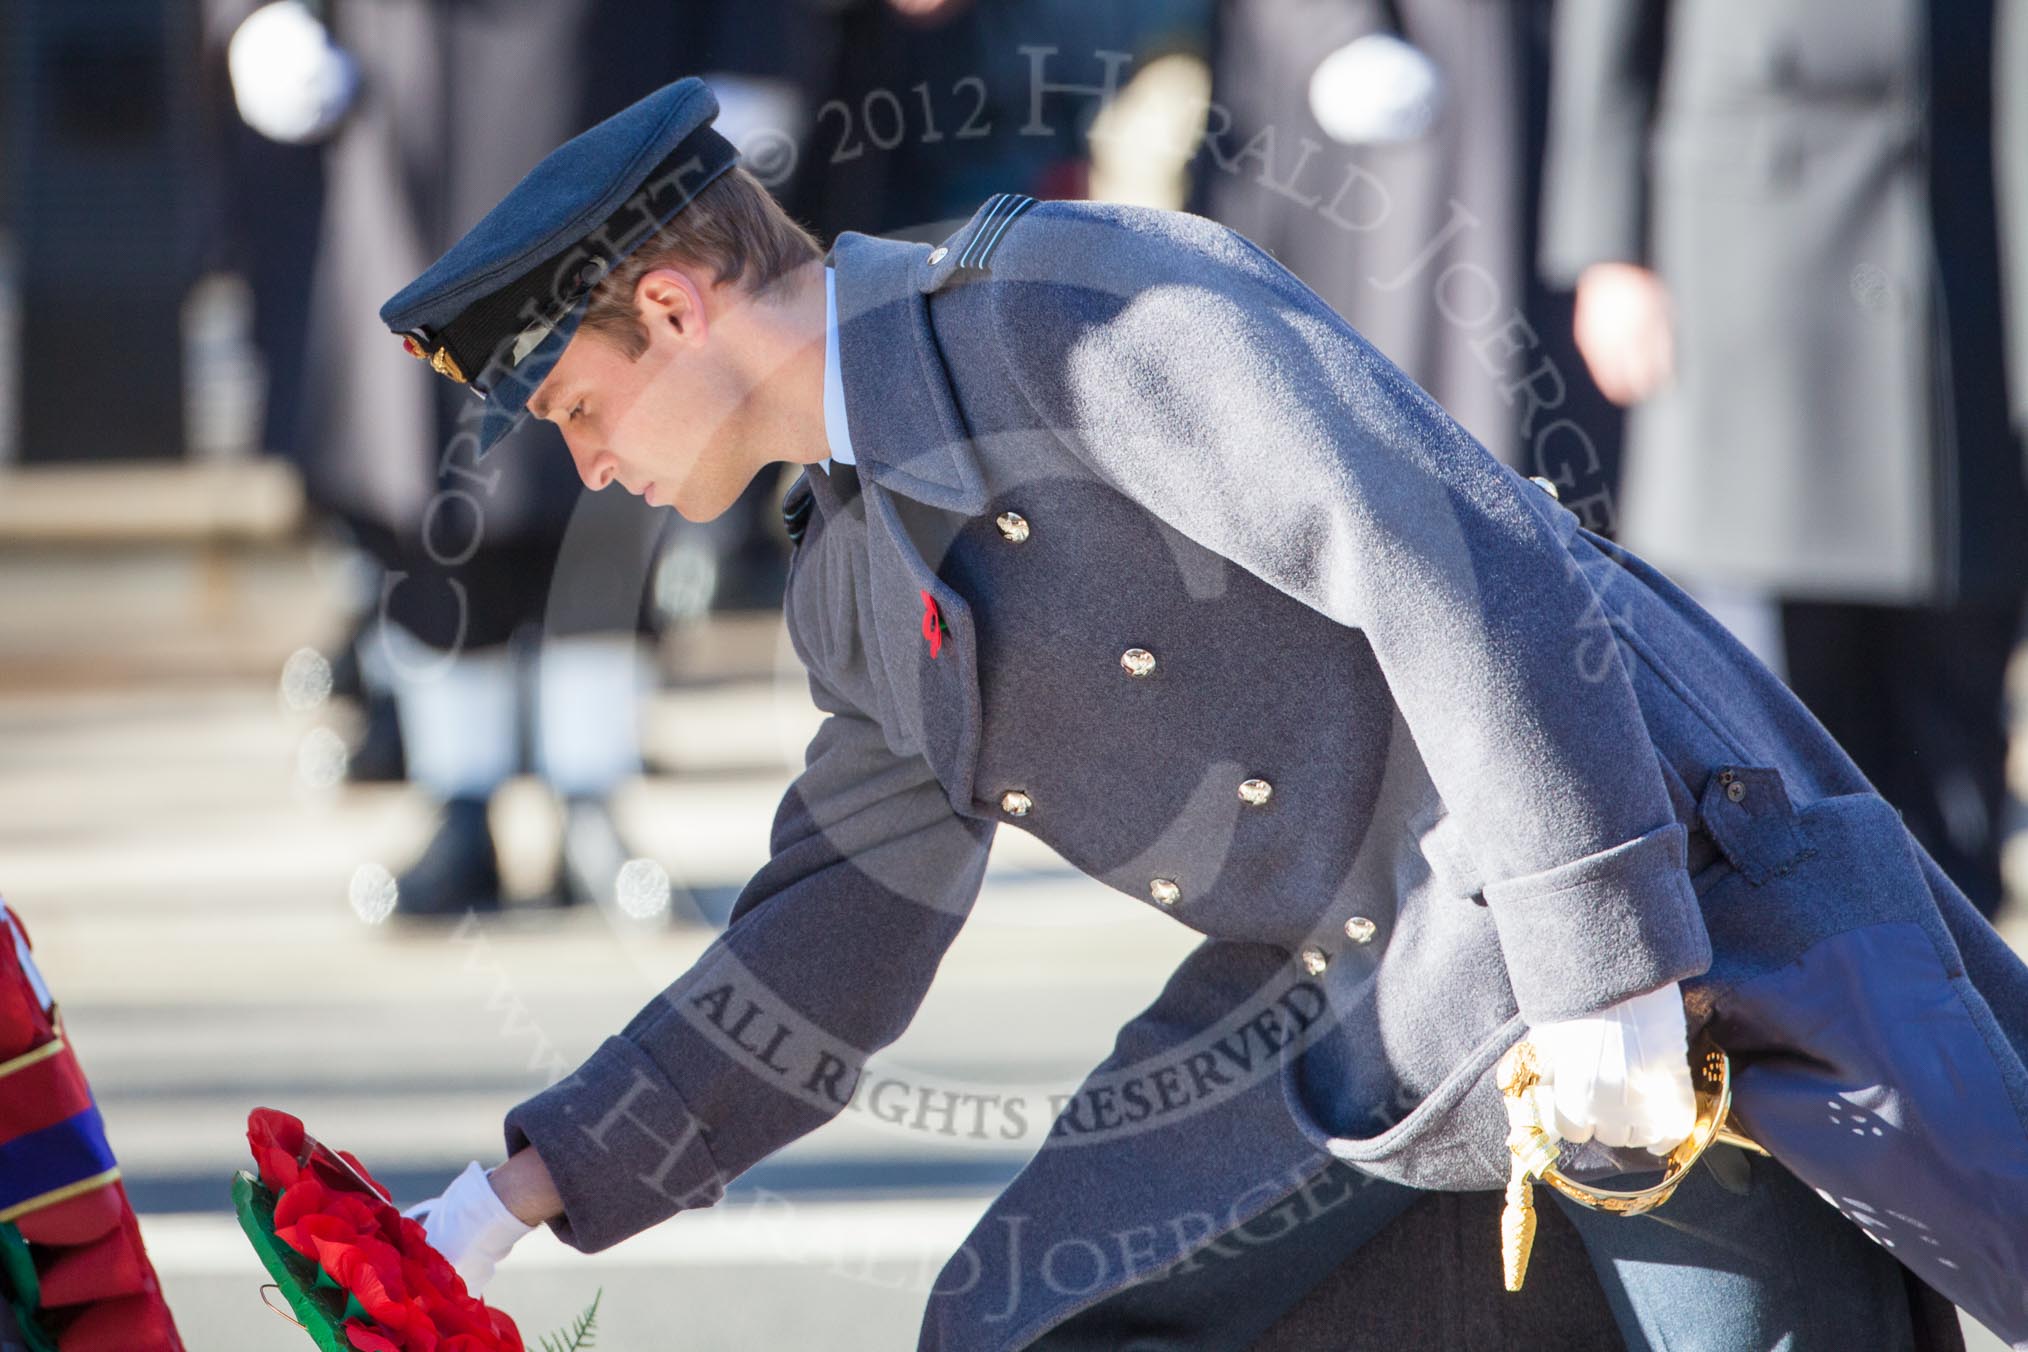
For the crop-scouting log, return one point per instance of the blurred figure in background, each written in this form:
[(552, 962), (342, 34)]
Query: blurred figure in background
[(1780, 220), (447, 104), (1388, 152), (266, 136), (455, 102)]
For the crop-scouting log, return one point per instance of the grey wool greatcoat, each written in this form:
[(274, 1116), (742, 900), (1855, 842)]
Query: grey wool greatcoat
[(1149, 553), (1833, 191)]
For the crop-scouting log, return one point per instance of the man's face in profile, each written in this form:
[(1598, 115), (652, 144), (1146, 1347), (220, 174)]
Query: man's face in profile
[(683, 424)]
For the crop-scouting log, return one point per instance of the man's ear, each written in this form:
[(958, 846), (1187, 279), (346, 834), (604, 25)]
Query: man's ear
[(669, 300)]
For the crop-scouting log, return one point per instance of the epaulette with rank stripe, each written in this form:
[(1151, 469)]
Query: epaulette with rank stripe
[(999, 214), (971, 248)]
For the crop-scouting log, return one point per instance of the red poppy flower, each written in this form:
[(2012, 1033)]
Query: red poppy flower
[(304, 1197), (364, 1339), (933, 626), (277, 1142)]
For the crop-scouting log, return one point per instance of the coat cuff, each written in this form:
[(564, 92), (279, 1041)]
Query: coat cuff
[(621, 1146), (1597, 930)]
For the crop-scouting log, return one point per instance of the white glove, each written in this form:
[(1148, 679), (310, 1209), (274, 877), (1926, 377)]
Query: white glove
[(470, 1226), (292, 83), (1620, 1076), (1375, 90)]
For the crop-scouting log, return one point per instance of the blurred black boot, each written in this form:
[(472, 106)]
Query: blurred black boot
[(378, 758), (458, 871), (593, 855)]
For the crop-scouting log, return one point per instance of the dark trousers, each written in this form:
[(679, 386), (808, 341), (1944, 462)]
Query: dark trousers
[(1915, 695), (1354, 1264), (1743, 1256)]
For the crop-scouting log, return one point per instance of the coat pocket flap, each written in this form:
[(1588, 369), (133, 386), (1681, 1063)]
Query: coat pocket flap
[(1746, 810)]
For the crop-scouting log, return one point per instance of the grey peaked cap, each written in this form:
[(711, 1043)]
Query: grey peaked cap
[(497, 310)]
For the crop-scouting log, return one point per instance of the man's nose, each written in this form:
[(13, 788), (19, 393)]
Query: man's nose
[(596, 472)]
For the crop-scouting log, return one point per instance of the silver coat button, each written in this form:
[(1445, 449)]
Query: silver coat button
[(1137, 661), (1255, 792), (1360, 930), (937, 254), (1314, 961), (1165, 892), (1016, 803), (1546, 485), (1013, 525)]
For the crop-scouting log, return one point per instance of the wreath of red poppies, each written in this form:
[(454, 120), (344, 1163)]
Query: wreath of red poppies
[(402, 1295)]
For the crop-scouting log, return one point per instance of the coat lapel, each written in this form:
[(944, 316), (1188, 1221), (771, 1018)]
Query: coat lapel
[(912, 451), (906, 427)]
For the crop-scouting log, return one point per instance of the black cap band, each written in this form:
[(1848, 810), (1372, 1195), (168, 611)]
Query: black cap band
[(496, 330)]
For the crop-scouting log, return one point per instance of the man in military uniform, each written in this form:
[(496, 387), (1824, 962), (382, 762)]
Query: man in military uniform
[(1111, 531)]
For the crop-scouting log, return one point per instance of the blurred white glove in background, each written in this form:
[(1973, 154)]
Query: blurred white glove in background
[(1624, 323), (1374, 90), (1620, 1076), (291, 81), (470, 1226)]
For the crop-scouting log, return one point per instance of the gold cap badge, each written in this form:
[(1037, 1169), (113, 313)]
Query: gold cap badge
[(441, 361)]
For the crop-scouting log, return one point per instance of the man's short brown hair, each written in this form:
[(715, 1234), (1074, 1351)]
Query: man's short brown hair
[(734, 227)]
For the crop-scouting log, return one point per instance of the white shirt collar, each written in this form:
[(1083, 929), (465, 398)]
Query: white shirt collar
[(837, 431)]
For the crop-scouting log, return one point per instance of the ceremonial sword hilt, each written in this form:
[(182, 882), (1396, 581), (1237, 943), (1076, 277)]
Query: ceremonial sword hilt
[(1535, 1149)]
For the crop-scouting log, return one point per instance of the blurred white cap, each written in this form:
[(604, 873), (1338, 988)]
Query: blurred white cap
[(291, 81), (1375, 90)]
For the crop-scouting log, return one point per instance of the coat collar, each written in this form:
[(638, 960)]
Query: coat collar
[(909, 442), (906, 430)]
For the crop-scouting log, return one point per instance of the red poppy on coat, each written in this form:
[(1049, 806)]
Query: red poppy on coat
[(933, 626)]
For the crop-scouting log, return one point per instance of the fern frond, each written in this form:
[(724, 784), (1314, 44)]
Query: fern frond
[(583, 1333)]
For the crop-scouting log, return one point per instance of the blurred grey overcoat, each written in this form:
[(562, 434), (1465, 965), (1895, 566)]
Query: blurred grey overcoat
[(1150, 554), (1814, 181), (1419, 244), (458, 100)]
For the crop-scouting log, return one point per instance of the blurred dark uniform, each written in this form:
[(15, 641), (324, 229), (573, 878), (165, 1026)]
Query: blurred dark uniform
[(460, 98), (1814, 182), (264, 211), (915, 121)]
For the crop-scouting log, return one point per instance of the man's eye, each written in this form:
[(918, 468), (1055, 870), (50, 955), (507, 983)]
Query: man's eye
[(575, 410)]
